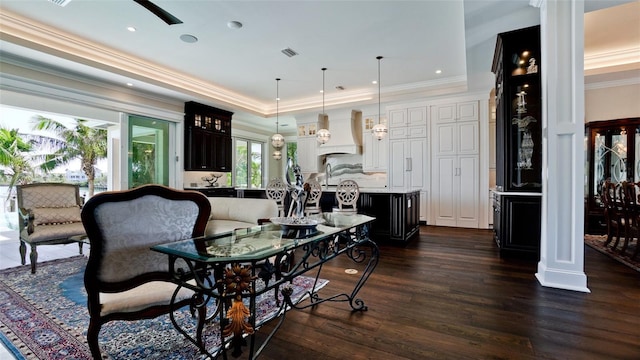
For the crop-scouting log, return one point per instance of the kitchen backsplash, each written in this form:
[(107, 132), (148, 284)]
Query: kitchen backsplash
[(349, 167)]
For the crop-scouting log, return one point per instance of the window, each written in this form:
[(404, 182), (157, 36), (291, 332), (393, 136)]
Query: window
[(292, 152), (148, 158), (248, 163)]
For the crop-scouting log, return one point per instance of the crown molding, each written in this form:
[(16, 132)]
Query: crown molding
[(612, 58), (28, 33), (612, 83)]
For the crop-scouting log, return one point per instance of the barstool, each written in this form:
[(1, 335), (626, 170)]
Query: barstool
[(313, 197), (277, 190), (347, 193)]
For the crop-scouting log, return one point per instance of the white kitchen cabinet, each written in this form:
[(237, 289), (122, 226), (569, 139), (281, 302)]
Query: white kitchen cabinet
[(407, 164), (456, 159), (408, 151), (411, 116), (374, 151), (308, 148), (454, 112)]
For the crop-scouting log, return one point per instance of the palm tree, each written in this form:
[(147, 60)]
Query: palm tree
[(83, 142), (14, 158)]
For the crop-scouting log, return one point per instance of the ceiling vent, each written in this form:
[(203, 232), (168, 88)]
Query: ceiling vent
[(60, 2), (289, 52)]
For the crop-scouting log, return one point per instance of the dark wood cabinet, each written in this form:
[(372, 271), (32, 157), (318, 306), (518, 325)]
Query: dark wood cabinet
[(516, 224), (517, 200), (405, 216), (207, 138), (518, 111), (397, 214), (612, 147), (377, 205), (216, 191)]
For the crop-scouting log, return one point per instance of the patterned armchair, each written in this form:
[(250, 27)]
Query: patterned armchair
[(49, 214), (124, 278)]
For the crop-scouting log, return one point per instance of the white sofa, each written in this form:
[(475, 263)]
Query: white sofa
[(233, 213)]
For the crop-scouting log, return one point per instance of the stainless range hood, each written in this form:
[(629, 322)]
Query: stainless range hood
[(346, 136)]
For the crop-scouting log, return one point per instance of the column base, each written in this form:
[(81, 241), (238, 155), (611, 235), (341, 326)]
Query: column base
[(562, 279)]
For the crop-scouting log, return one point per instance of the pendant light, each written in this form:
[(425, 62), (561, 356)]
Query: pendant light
[(323, 135), (277, 140), (380, 129)]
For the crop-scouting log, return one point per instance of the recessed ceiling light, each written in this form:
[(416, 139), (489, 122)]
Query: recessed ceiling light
[(234, 24), (188, 38), (438, 71), (374, 82), (131, 28), (129, 84)]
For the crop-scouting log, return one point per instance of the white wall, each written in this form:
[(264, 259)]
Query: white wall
[(609, 103)]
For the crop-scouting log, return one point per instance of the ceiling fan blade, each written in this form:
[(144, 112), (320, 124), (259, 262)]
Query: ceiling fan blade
[(159, 12)]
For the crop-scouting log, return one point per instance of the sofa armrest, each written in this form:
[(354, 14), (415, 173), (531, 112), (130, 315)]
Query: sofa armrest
[(26, 219)]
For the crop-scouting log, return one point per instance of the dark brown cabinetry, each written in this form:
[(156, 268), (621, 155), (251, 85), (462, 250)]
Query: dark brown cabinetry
[(397, 214), (216, 191), (518, 141), (405, 216), (516, 224), (207, 138), (612, 148), (518, 111)]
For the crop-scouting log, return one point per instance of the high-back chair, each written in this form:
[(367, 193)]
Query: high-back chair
[(124, 279), (49, 214), (313, 197), (277, 190), (631, 213), (347, 194), (613, 214)]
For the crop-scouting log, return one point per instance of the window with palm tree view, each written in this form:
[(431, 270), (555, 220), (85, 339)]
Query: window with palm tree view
[(248, 163)]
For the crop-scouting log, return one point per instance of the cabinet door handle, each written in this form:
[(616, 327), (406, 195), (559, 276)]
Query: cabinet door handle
[(407, 164)]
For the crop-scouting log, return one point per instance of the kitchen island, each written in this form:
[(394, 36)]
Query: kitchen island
[(397, 213)]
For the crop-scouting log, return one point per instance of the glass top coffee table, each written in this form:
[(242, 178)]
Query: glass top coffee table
[(229, 271)]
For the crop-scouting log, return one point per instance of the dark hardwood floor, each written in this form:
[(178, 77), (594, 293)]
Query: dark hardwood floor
[(449, 295)]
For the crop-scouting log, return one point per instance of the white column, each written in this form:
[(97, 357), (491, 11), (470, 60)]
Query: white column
[(562, 65)]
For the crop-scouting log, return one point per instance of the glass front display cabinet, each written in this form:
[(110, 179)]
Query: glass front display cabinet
[(612, 152)]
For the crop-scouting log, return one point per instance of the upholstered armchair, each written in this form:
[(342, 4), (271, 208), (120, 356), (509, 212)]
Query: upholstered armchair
[(124, 278), (49, 214)]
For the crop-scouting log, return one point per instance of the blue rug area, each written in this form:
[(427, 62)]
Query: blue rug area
[(44, 316)]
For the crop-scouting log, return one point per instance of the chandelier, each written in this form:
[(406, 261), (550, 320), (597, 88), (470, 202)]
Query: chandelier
[(379, 131), (323, 135), (277, 140)]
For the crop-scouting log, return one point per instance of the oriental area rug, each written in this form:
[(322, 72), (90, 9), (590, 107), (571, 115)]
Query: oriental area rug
[(597, 242), (44, 316)]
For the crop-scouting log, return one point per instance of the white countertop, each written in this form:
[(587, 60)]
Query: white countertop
[(332, 188), (515, 193)]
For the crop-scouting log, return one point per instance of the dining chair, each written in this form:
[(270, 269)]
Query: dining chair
[(124, 278), (277, 190), (613, 215), (347, 194), (631, 214), (314, 193)]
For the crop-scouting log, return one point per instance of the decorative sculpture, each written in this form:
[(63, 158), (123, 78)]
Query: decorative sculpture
[(213, 179), (296, 191)]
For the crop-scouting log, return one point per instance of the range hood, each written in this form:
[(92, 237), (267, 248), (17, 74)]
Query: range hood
[(346, 136)]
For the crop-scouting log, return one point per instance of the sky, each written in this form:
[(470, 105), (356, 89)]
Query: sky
[(23, 120)]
